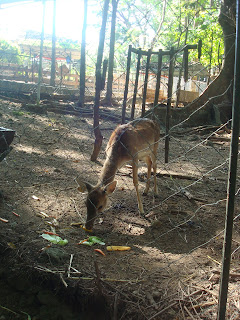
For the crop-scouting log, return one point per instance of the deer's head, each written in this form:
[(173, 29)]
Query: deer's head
[(96, 199)]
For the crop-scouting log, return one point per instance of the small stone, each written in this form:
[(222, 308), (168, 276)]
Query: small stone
[(56, 254)]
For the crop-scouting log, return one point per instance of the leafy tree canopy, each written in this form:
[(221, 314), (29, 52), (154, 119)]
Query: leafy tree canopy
[(171, 23), (9, 52)]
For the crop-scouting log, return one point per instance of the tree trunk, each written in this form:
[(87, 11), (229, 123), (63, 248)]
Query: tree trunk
[(97, 131), (111, 52), (83, 58)]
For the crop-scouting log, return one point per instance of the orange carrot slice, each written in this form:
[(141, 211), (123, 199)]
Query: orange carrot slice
[(100, 251), (118, 248)]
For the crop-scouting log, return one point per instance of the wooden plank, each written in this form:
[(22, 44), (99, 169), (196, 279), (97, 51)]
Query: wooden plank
[(187, 96)]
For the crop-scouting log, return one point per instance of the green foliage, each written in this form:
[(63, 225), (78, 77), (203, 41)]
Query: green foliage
[(9, 52), (185, 21), (68, 44)]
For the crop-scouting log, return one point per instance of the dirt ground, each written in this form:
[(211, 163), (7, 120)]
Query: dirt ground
[(172, 270)]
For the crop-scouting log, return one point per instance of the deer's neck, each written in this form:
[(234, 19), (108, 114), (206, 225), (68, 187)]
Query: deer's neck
[(109, 170)]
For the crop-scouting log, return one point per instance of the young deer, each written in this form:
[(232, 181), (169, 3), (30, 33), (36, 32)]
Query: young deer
[(137, 140)]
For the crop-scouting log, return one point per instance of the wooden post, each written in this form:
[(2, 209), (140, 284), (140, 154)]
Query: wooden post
[(146, 82), (158, 78), (170, 85), (136, 83), (199, 49), (185, 63), (126, 84)]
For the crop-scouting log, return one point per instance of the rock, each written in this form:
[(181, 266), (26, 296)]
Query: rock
[(56, 254)]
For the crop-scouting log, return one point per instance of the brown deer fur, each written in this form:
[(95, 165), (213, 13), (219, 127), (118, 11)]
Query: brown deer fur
[(137, 140)]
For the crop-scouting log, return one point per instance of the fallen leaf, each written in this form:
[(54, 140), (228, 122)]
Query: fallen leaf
[(54, 239), (11, 245)]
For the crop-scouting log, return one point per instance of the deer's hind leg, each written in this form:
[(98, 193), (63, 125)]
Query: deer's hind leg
[(154, 163), (149, 169), (135, 182)]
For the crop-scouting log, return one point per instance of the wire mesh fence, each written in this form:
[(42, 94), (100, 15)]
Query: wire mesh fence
[(173, 268)]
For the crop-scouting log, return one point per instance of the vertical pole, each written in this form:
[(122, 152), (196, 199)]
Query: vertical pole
[(83, 57), (136, 83), (41, 55), (53, 64), (96, 116), (170, 85), (158, 78), (185, 63), (146, 82), (104, 72), (226, 259), (126, 84)]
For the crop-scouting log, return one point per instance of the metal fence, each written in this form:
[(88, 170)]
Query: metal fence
[(173, 268)]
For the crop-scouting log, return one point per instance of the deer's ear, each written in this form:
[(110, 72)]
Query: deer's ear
[(84, 186), (109, 188)]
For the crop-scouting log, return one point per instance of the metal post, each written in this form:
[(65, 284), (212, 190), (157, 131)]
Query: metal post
[(41, 55), (158, 78), (146, 82), (136, 83), (226, 258), (169, 101), (126, 84), (53, 61)]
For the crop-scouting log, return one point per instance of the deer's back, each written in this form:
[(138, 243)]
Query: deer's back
[(135, 138)]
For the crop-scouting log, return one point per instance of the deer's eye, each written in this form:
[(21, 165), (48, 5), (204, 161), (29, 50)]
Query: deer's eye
[(99, 208)]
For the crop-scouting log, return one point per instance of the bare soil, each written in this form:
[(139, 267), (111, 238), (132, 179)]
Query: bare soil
[(172, 270)]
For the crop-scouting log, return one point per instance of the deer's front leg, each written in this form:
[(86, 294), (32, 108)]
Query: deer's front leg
[(135, 182)]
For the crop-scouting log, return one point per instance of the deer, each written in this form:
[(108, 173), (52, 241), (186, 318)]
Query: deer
[(128, 143)]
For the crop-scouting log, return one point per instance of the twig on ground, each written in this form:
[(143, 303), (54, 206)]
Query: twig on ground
[(75, 207), (189, 313), (70, 264), (9, 310), (63, 281)]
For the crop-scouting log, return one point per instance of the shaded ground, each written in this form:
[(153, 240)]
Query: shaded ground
[(172, 269)]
